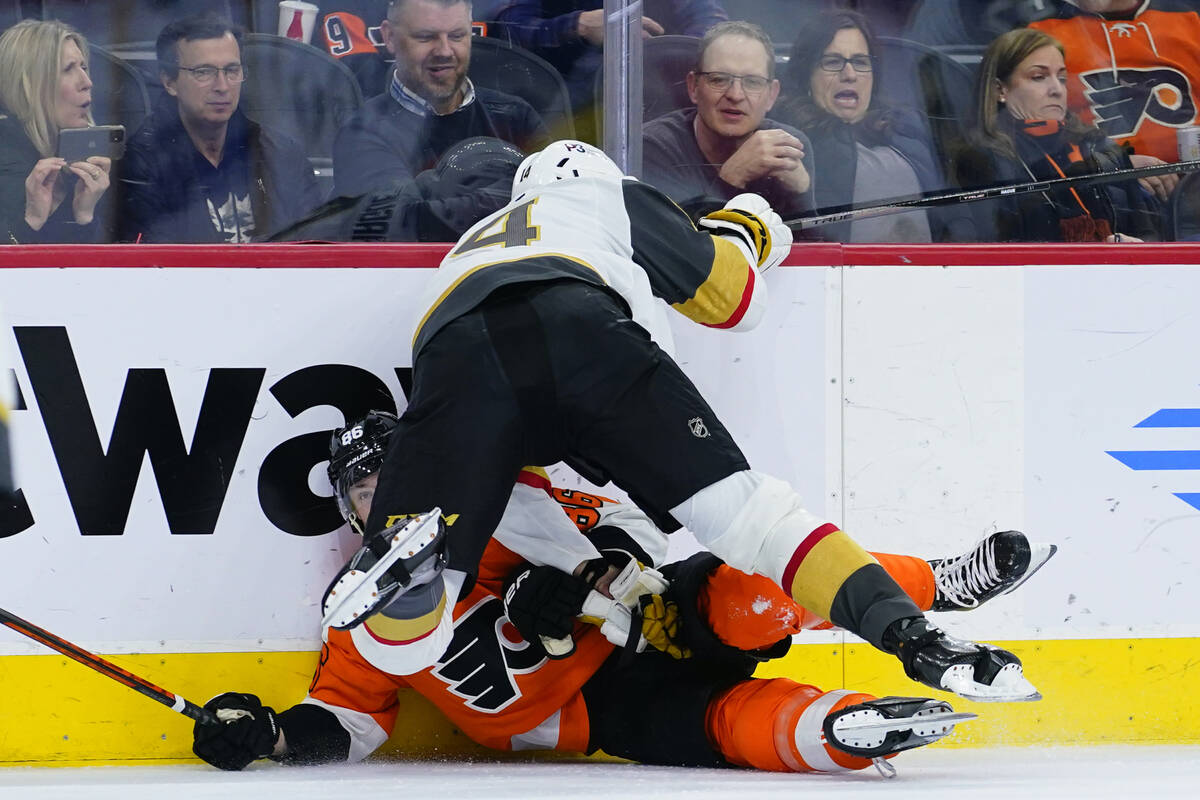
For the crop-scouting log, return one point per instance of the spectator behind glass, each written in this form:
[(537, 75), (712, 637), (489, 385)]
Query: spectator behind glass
[(570, 33), (703, 156), (1023, 132), (430, 105), (352, 32), (44, 88), (198, 170), (1134, 72), (862, 152)]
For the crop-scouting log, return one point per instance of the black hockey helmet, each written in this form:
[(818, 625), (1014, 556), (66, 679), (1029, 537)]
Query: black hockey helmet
[(477, 162), (356, 451)]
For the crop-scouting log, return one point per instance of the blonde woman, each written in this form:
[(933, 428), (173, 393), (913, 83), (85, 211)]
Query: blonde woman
[(44, 88)]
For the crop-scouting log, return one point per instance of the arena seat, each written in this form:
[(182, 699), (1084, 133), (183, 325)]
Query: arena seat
[(300, 91), (496, 64), (119, 95)]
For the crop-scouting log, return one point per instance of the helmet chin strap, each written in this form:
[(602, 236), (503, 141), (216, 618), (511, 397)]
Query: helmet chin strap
[(356, 524)]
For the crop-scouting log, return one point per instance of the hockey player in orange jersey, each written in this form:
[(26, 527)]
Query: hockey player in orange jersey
[(523, 673), (1134, 73)]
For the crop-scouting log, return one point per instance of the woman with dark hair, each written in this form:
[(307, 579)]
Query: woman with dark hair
[(1023, 132), (863, 152), (44, 88)]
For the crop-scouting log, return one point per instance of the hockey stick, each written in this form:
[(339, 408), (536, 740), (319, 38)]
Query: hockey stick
[(108, 669), (990, 193)]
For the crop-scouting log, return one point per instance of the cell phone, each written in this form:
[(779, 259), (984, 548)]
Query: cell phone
[(79, 144)]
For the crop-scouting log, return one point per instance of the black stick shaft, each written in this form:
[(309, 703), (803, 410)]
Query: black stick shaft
[(108, 669), (990, 193)]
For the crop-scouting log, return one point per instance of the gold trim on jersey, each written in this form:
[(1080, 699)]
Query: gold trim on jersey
[(722, 293), (406, 630), (757, 229), (476, 269)]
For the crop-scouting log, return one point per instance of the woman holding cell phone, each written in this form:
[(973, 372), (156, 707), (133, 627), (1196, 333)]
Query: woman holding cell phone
[(44, 89)]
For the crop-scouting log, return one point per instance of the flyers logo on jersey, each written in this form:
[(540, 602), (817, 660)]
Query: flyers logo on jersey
[(1121, 102), (481, 662)]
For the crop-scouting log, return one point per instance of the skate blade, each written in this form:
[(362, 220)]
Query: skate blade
[(919, 724), (357, 593), (1009, 686), (1039, 554)]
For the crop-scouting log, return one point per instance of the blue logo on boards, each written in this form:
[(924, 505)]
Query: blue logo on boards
[(1166, 459)]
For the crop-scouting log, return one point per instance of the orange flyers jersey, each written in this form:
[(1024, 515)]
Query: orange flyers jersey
[(488, 682), (1134, 79), (353, 28)]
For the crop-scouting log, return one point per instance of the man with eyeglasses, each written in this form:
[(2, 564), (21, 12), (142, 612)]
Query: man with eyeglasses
[(198, 170), (704, 156)]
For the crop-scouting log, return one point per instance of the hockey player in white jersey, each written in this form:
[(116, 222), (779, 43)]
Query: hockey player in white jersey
[(543, 338)]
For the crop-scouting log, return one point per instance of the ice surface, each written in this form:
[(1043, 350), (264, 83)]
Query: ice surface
[(1011, 774)]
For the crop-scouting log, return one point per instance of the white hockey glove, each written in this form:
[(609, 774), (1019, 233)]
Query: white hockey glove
[(636, 615), (749, 222)]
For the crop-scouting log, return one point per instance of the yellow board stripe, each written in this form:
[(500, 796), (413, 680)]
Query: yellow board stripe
[(54, 711), (1094, 691), (721, 293)]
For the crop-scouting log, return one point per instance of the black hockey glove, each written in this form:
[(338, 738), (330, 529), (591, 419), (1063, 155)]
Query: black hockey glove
[(542, 603), (247, 731)]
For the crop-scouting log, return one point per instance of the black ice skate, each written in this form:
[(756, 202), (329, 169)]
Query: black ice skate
[(980, 672), (996, 566), (890, 725)]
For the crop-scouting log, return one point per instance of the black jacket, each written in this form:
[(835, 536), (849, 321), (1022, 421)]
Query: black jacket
[(17, 157), (423, 209), (835, 154), (1039, 216), (166, 182), (384, 143)]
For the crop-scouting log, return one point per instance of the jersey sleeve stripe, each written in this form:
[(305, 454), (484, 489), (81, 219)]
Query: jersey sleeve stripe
[(535, 477), (722, 299), (759, 233)]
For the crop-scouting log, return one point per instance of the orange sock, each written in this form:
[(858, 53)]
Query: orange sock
[(914, 575), (751, 612), (776, 725)]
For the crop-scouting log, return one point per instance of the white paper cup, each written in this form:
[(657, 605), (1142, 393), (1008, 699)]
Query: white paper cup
[(1188, 141), (296, 20)]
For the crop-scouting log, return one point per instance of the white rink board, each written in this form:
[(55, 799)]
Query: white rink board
[(918, 407), (248, 585), (985, 398)]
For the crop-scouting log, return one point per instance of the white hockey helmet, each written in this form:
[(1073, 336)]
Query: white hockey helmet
[(560, 161)]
